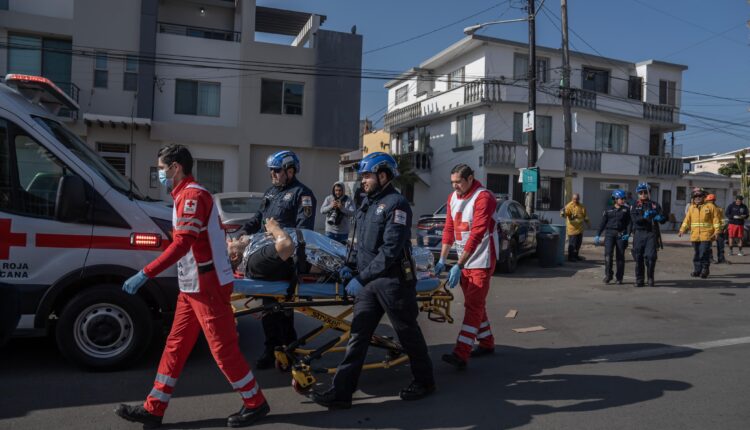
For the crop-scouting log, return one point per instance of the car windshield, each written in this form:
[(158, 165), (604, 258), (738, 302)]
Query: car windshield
[(236, 205), (441, 210), (91, 158)]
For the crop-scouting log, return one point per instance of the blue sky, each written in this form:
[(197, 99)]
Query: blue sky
[(710, 37)]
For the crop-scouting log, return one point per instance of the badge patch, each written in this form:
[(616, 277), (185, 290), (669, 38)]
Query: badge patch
[(399, 217), (190, 206), (287, 197), (306, 201), (380, 209)]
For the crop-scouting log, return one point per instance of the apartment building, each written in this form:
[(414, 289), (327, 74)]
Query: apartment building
[(465, 105), (233, 80)]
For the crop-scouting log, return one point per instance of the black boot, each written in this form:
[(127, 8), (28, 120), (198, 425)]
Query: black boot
[(246, 416), (695, 274), (651, 282), (639, 283), (138, 414), (416, 390), (704, 273), (454, 361), (329, 400), (607, 279), (267, 360), (480, 352)]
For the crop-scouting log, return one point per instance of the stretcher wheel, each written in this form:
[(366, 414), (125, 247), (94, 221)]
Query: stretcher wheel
[(282, 366), (299, 389)]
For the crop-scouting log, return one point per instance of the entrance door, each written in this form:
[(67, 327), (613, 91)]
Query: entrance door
[(666, 202)]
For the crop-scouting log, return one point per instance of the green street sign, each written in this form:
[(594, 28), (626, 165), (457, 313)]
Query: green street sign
[(530, 180)]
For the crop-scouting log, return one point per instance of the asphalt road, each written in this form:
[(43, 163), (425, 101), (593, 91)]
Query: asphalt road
[(616, 357)]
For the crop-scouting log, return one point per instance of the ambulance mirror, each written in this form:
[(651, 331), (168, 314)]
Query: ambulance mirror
[(72, 204)]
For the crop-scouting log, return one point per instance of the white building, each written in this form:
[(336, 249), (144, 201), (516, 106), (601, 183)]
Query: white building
[(711, 163), (464, 105), (232, 80)]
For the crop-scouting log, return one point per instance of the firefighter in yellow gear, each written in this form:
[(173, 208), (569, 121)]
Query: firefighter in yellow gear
[(704, 222), (575, 215)]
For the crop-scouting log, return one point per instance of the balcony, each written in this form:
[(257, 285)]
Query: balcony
[(498, 153), (420, 161), (201, 32), (582, 98), (653, 165), (661, 113), (587, 161)]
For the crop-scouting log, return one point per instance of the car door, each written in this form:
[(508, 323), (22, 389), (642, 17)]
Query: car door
[(531, 224)]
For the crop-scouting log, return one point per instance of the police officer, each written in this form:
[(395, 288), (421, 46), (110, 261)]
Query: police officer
[(644, 216), (384, 283), (292, 204), (614, 225)]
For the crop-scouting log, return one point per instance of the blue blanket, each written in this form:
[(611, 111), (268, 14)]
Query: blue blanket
[(252, 287)]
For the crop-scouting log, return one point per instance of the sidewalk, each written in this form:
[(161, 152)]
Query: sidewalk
[(667, 236)]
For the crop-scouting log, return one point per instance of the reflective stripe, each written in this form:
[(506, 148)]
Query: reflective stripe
[(484, 334), (159, 395), (244, 381), (166, 380), (466, 340), (249, 394), (209, 262), (484, 324), (190, 220), (469, 329), (187, 227)]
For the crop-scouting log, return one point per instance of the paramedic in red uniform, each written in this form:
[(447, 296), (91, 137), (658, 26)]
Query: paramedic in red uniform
[(205, 280), (470, 229)]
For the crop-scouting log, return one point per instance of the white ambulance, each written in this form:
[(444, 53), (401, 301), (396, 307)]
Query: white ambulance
[(72, 229)]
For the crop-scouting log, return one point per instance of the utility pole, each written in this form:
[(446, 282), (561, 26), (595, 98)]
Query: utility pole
[(567, 117), (531, 197)]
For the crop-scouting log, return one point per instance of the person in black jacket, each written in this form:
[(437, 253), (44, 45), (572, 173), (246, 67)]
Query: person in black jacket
[(645, 217), (736, 213), (614, 225)]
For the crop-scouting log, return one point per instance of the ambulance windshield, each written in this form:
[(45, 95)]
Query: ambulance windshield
[(88, 156)]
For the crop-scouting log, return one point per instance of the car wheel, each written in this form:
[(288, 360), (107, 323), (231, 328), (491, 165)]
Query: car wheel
[(510, 263), (103, 328)]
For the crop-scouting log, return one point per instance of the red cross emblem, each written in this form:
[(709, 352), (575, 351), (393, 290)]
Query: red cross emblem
[(8, 239), (459, 226), (190, 204)]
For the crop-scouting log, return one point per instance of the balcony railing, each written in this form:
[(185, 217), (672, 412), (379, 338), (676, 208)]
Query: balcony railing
[(202, 32), (658, 112), (652, 165), (420, 161), (403, 114), (70, 89), (582, 98), (499, 153), (587, 161), (482, 91)]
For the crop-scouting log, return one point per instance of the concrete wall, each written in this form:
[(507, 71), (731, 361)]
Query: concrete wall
[(652, 74), (52, 8), (188, 13)]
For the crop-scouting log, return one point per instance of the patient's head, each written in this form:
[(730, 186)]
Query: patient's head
[(235, 248)]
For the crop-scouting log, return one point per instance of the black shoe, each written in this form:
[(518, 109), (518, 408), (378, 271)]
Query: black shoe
[(722, 261), (704, 273), (267, 360), (454, 361), (579, 258), (416, 390), (651, 282), (246, 416), (695, 274), (639, 284), (480, 352), (607, 279), (138, 414), (329, 400)]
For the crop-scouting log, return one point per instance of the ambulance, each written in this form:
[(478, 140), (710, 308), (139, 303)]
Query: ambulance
[(72, 229)]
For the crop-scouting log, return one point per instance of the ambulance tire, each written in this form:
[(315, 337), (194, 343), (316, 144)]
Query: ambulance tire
[(103, 328)]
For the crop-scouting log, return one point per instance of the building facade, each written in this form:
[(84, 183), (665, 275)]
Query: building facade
[(465, 105), (231, 80)]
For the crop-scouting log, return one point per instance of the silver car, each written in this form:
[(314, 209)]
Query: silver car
[(235, 209)]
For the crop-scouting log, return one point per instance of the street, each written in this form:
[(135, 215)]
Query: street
[(615, 357)]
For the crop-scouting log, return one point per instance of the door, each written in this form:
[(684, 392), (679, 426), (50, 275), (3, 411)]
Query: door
[(666, 202)]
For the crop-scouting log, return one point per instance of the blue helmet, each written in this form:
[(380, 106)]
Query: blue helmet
[(283, 160), (643, 186), (618, 194), (376, 161)]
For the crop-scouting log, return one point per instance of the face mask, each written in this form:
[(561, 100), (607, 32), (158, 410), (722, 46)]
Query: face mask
[(167, 182)]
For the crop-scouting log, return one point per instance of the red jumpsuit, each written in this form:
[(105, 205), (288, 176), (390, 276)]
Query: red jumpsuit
[(205, 279), (470, 228)]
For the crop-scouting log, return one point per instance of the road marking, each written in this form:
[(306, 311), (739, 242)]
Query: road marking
[(669, 350)]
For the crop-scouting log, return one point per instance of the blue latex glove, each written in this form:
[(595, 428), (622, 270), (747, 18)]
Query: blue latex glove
[(354, 287), (625, 237), (440, 266), (648, 214), (454, 276), (659, 218), (135, 282), (345, 273), (597, 239)]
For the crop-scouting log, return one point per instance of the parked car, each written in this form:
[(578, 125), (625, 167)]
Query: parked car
[(516, 229), (235, 209)]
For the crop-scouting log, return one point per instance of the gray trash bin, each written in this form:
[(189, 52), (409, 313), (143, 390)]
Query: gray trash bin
[(561, 230), (546, 248)]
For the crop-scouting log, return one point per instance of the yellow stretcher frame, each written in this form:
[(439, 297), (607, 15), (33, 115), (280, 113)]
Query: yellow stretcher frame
[(295, 357)]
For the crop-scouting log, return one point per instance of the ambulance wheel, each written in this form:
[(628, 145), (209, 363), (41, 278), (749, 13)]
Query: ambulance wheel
[(103, 328)]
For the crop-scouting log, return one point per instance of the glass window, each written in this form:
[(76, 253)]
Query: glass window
[(595, 80), (463, 130), (521, 66), (210, 174), (197, 98), (24, 54), (209, 95), (611, 137), (3, 4), (635, 88), (456, 78), (402, 94), (234, 205), (543, 125), (293, 93), (423, 139), (117, 155), (277, 97), (667, 91), (56, 61), (101, 76), (130, 78)]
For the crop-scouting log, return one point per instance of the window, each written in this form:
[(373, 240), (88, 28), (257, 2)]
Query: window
[(3, 4), (667, 91), (130, 78), (38, 56), (117, 155), (611, 137), (24, 54), (197, 98), (423, 139), (497, 183), (595, 80), (681, 193), (543, 126), (402, 94), (210, 174), (550, 194), (463, 131), (521, 68), (456, 78), (281, 97), (100, 70), (635, 88)]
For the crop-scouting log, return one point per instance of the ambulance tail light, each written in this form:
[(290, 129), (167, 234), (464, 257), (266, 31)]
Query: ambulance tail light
[(148, 240)]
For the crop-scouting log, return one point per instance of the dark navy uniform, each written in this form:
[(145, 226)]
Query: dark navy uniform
[(644, 238), (293, 206), (383, 235), (614, 224)]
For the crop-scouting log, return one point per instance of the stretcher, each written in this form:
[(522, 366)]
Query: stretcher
[(310, 298)]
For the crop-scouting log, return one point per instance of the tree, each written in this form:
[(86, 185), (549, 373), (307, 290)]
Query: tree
[(742, 166), (730, 169), (407, 177)]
